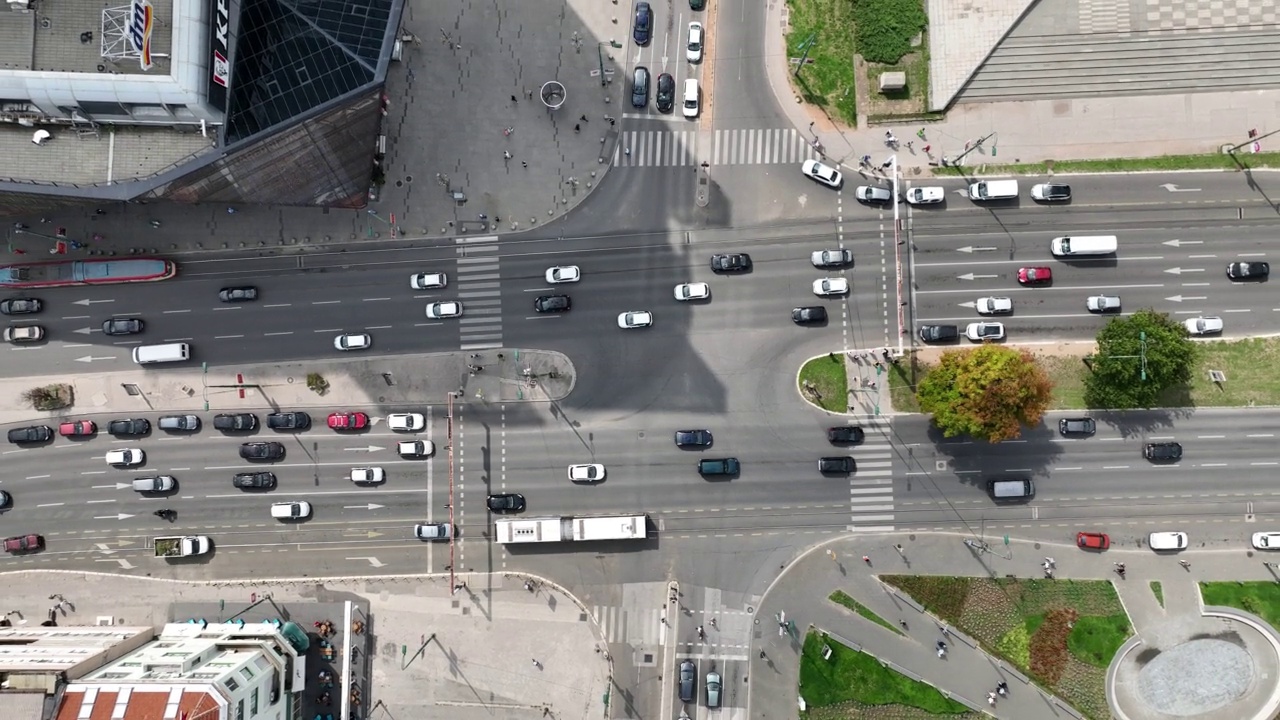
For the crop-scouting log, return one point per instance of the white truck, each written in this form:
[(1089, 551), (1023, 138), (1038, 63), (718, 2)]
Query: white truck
[(181, 546)]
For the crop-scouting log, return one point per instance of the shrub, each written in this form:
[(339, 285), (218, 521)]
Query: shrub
[(1016, 645), (317, 384), (883, 29), (49, 397)]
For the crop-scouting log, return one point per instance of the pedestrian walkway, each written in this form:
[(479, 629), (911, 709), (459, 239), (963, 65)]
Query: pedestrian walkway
[(675, 148), (871, 484), (479, 282)]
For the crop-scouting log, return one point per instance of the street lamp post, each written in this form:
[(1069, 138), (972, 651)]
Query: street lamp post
[(1141, 356), (600, 54)]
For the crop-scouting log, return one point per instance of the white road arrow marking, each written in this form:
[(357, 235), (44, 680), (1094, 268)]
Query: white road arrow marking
[(85, 331), (971, 304), (90, 358), (372, 561), (971, 249), (124, 564), (102, 548), (370, 506), (1180, 298), (120, 516), (1179, 271), (86, 303), (371, 448), (1180, 243), (971, 276), (116, 486), (1174, 188)]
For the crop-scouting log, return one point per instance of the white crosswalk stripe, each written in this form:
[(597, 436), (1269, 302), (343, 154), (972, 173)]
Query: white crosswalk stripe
[(677, 148), (477, 285), (871, 486), (636, 627)]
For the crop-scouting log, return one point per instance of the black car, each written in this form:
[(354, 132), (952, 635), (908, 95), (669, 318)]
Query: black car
[(688, 684), (845, 434), (665, 98), (642, 29), (289, 421), (122, 326), (838, 465), (235, 422), (32, 434), (1162, 451), (811, 314), (506, 503), (640, 87), (132, 426), (939, 333), (254, 480), (238, 294), (262, 451), (1077, 426), (1256, 270), (737, 262), (552, 303), (693, 438), (697, 4), (20, 306)]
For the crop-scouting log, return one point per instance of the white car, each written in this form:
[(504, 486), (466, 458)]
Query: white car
[(1204, 325), (872, 194), (994, 306), (126, 457), (291, 510), (926, 195), (693, 291), (693, 53), (824, 174), (635, 319), (428, 281), (24, 334), (691, 98), (367, 475), (981, 332), (439, 310), (433, 531), (1103, 303), (830, 286), (1167, 541), (415, 448), (586, 473), (1266, 540), (406, 422), (353, 341), (563, 274)]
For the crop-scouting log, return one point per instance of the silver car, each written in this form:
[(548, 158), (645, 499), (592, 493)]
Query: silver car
[(1103, 303), (713, 685)]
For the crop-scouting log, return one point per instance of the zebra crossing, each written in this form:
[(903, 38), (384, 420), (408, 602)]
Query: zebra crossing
[(676, 148), (871, 486), (477, 282), (633, 627)]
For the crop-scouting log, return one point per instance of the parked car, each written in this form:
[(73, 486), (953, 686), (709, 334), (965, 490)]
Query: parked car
[(1103, 303), (428, 281), (1092, 541), (1167, 541), (122, 326), (247, 293), (642, 27), (1162, 451), (1256, 270), (23, 333), (809, 315), (824, 174), (179, 423), (984, 331), (254, 480), (77, 428), (1051, 192), (294, 420), (664, 95), (712, 683), (20, 306), (235, 422), (262, 450), (693, 50), (688, 682), (873, 194), (925, 195), (1203, 325), (1266, 541), (994, 306), (831, 258), (506, 503), (131, 426), (845, 434), (31, 434), (640, 87), (1035, 276), (692, 291), (939, 333), (1077, 426)]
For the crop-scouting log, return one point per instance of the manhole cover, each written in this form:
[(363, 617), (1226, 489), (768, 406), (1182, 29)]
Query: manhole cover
[(940, 466)]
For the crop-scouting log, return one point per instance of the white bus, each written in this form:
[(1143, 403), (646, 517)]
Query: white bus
[(563, 529)]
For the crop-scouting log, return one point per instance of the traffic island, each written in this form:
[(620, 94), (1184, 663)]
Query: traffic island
[(824, 383)]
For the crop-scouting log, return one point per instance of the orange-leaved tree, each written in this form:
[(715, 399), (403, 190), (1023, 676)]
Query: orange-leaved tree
[(990, 392)]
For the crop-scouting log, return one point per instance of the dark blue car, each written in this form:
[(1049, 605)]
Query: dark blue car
[(644, 24)]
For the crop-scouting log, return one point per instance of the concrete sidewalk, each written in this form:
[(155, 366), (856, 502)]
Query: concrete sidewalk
[(394, 381)]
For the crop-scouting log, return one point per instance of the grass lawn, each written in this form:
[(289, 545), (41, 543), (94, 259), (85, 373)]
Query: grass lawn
[(841, 598), (1260, 598), (1096, 638), (828, 81), (1158, 590), (826, 374), (854, 676), (1213, 161), (903, 377)]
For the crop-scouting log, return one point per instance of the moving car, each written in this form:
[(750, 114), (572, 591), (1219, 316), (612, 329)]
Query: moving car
[(693, 51), (506, 503), (254, 480), (291, 510), (994, 306), (552, 304), (1077, 426), (122, 326), (415, 448), (440, 310), (810, 314), (873, 194), (1167, 541), (352, 341), (23, 543), (1162, 451), (692, 99), (712, 683), (367, 475), (693, 438), (270, 450), (1092, 541), (353, 420), (824, 174), (1035, 276), (6, 500), (845, 434), (155, 484), (1266, 540), (840, 464), (126, 457), (247, 293), (640, 87), (589, 473), (693, 291), (984, 331), (719, 466), (642, 28), (77, 428), (20, 306), (563, 274), (433, 531), (295, 420), (688, 684), (1256, 270), (428, 281), (1203, 325), (179, 423), (939, 333), (23, 333), (830, 286), (132, 426), (635, 319), (736, 262), (1051, 192), (406, 422), (235, 422), (1103, 303), (831, 258), (664, 95), (31, 434), (925, 195)]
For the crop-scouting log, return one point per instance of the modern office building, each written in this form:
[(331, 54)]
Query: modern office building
[(193, 101)]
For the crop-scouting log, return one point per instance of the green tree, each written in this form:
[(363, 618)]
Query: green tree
[(990, 392), (1147, 341)]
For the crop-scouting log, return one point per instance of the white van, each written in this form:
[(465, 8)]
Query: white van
[(1083, 245), (993, 190), (170, 352), (690, 108), (1010, 490)]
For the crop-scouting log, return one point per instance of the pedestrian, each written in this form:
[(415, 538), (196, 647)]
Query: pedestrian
[(231, 211), (866, 559), (537, 664), (886, 164), (577, 127), (627, 151), (903, 623), (513, 99), (1050, 561), (920, 133), (524, 164), (761, 654), (529, 94), (879, 365), (1185, 565), (583, 118), (506, 154), (501, 356), (888, 136), (991, 698), (21, 226), (927, 148), (99, 211), (482, 216), (909, 146), (496, 219), (1002, 688), (612, 122)]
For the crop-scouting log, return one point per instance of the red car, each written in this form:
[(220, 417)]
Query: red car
[(1035, 276), (1092, 541), (77, 427), (348, 421), (23, 543)]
